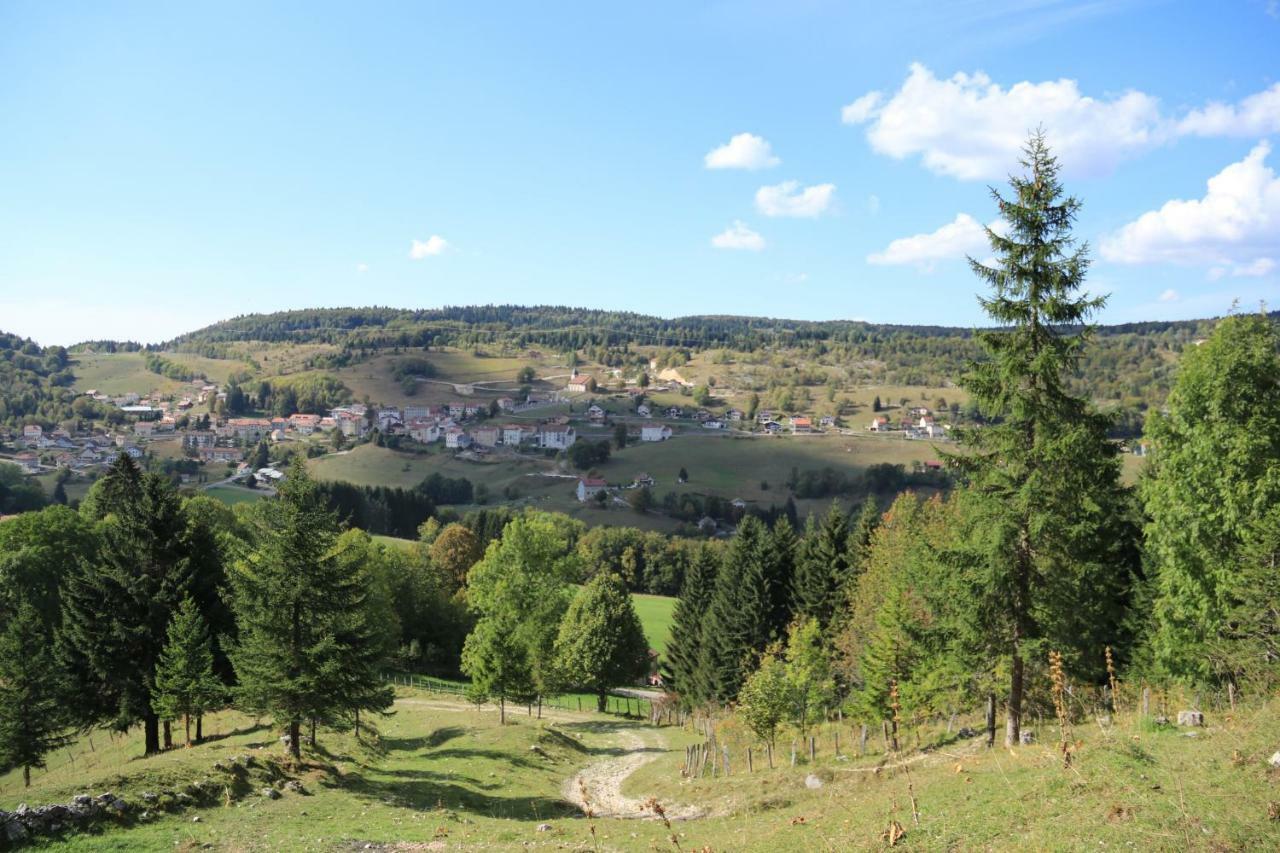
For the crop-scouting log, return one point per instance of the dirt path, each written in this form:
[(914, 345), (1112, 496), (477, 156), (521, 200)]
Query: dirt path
[(599, 785)]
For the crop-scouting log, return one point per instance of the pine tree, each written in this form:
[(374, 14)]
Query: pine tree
[(1047, 476), (780, 567), (33, 718), (185, 684), (601, 644), (686, 652), (116, 610), (822, 567), (738, 623), (307, 650)]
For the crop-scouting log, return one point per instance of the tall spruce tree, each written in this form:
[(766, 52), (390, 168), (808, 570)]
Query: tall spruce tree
[(1047, 476), (686, 651), (822, 567), (307, 649), (33, 717), (116, 610), (185, 683), (1214, 474), (780, 568), (738, 624)]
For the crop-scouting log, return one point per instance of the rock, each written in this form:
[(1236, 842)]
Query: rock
[(1275, 760), (271, 793), (150, 797), (294, 786), (812, 781), (195, 819), (544, 827), (119, 806), (1027, 738), (1190, 718), (15, 831), (286, 740), (22, 810), (1161, 720), (82, 799), (966, 733)]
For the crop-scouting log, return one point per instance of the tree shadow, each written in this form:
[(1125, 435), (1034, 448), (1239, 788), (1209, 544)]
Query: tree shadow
[(425, 790)]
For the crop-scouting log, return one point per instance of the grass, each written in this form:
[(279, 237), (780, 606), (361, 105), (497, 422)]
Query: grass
[(655, 612), (233, 494), (448, 774)]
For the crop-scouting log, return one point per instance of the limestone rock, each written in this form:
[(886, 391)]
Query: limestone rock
[(271, 793), (544, 827), (812, 781), (1190, 718), (1275, 759)]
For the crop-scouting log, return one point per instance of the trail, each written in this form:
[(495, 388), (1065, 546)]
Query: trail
[(598, 786)]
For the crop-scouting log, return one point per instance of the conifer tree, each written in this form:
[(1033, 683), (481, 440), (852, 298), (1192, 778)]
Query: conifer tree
[(600, 643), (307, 649), (686, 651), (33, 718), (738, 624), (1047, 476), (116, 610), (822, 567), (185, 684), (780, 567)]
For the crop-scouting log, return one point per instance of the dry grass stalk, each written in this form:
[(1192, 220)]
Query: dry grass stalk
[(893, 834), (654, 806), (1113, 682), (1059, 679), (590, 812)]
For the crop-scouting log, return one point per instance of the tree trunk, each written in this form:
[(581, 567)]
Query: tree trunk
[(295, 737), (151, 734), (313, 732), (502, 710), (186, 721), (357, 724), (602, 701), (168, 735), (26, 776), (1013, 719), (199, 728)]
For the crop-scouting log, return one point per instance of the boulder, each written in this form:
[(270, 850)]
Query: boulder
[(271, 793), (1275, 760), (812, 781), (82, 799), (15, 831), (1027, 737), (965, 733), (1190, 718), (294, 786), (150, 797), (544, 827)]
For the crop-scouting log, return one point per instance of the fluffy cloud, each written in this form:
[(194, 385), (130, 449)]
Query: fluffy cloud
[(743, 151), (788, 199), (362, 268), (962, 236), (433, 245), (1235, 227), (971, 128), (738, 236), (1256, 115), (1169, 295)]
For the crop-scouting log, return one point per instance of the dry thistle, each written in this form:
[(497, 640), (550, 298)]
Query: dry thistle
[(1060, 704), (1113, 682), (588, 811), (893, 834), (654, 806)]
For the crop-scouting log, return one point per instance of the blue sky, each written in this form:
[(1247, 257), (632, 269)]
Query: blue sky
[(163, 166)]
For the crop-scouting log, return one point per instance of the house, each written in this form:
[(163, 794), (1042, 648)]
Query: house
[(28, 462), (589, 487), (675, 412), (702, 415), (713, 424), (556, 437), (880, 423), (643, 410), (513, 435), (655, 432), (925, 421), (486, 436), (424, 430), (456, 439), (827, 421), (643, 479), (580, 385), (304, 424), (249, 429), (734, 415), (220, 454), (738, 503), (506, 404), (801, 424), (595, 413), (196, 439), (773, 427), (32, 432), (935, 431), (764, 417), (133, 451), (144, 429), (919, 412)]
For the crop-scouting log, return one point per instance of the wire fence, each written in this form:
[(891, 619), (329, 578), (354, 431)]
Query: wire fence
[(616, 702)]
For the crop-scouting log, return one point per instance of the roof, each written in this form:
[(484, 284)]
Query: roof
[(593, 482)]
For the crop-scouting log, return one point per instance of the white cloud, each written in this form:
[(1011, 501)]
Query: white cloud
[(738, 236), (1255, 269), (862, 109), (1235, 227), (743, 151), (961, 237), (1169, 295), (1256, 115), (788, 199), (433, 245), (873, 204), (362, 268), (969, 127)]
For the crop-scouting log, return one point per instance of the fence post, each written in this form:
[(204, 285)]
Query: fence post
[(1231, 694), (768, 751), (837, 734), (884, 730), (813, 748), (862, 741), (793, 753), (991, 720), (725, 760), (1146, 702), (750, 765)]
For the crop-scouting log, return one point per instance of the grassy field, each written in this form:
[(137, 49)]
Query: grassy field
[(233, 494), (655, 612), (442, 775)]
